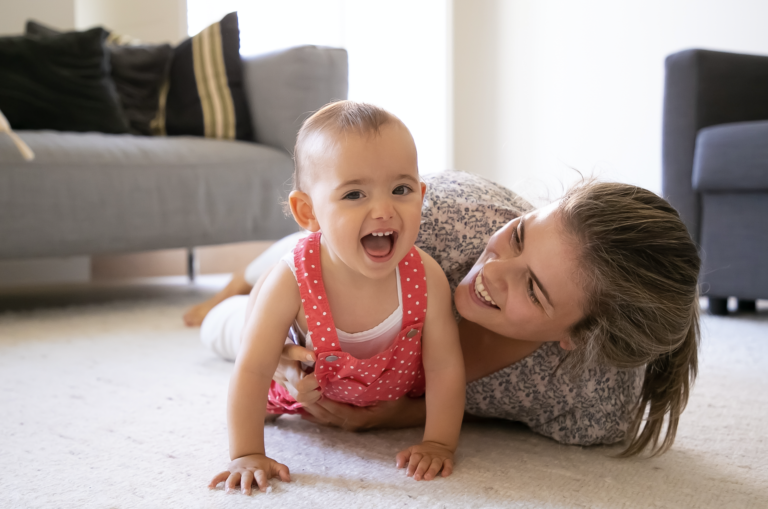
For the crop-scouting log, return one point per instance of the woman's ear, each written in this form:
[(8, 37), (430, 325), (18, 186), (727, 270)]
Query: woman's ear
[(303, 213), (567, 344)]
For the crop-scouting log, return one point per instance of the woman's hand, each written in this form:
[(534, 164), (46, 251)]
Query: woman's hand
[(402, 413), (302, 387), (247, 469), (426, 460)]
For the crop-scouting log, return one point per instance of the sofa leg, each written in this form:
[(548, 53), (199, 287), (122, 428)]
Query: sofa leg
[(718, 306), (191, 272), (747, 306)]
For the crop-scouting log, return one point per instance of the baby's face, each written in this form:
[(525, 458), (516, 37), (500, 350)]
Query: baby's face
[(366, 196)]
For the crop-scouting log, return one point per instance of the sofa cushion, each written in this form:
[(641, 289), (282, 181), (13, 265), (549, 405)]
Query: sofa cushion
[(285, 87), (732, 157), (98, 193), (60, 82), (205, 95), (138, 71)]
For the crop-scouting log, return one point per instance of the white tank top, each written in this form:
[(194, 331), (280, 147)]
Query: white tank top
[(360, 345)]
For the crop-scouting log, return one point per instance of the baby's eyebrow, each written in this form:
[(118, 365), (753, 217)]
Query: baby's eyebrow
[(353, 182), (406, 176)]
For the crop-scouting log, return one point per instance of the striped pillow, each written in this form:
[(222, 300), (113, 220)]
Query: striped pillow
[(204, 94)]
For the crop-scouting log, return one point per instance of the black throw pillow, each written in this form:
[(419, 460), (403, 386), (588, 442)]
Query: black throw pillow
[(206, 95), (138, 72), (59, 82)]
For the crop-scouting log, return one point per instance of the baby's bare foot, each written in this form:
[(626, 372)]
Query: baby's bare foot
[(194, 316)]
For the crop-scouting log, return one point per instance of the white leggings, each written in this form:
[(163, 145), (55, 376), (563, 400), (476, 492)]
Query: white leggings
[(222, 327)]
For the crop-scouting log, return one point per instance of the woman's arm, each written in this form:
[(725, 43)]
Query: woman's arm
[(402, 413)]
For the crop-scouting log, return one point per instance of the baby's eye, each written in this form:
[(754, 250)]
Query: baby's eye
[(402, 190), (353, 195)]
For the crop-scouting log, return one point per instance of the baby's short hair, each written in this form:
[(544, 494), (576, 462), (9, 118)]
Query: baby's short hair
[(338, 117)]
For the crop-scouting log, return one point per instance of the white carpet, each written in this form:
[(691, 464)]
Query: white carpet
[(118, 406)]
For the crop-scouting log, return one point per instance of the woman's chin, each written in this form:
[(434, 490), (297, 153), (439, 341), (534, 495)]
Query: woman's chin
[(463, 303)]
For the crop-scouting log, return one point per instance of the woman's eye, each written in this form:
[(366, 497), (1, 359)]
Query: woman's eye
[(402, 190), (515, 240), (353, 195), (531, 293)]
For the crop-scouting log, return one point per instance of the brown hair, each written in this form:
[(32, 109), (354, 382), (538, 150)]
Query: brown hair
[(640, 270), (339, 117)]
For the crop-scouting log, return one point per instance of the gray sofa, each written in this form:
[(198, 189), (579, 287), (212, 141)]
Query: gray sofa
[(90, 193), (715, 167)]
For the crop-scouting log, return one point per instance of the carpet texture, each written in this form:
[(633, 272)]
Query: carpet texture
[(118, 405)]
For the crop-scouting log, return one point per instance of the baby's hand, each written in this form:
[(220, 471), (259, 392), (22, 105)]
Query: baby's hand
[(426, 460), (245, 470)]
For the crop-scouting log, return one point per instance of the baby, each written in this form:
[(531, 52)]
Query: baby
[(355, 292)]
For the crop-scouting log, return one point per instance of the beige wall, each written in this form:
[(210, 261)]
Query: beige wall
[(15, 13), (152, 21), (541, 85)]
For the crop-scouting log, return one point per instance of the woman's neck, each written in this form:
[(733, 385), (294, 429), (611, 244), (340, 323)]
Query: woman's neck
[(486, 352)]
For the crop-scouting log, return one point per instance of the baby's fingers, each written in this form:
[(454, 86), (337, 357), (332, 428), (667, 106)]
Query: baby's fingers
[(402, 458), (261, 479), (283, 473), (422, 467), (232, 481), (434, 469), (220, 477), (245, 482), (413, 462), (447, 468)]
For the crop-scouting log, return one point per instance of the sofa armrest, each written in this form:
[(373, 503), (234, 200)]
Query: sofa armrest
[(732, 158), (704, 88), (287, 86)]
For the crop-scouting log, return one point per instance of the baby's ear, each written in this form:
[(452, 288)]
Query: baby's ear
[(302, 210), (423, 186), (567, 344)]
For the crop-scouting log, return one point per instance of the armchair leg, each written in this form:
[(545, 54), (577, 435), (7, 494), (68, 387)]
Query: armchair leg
[(718, 306), (747, 306)]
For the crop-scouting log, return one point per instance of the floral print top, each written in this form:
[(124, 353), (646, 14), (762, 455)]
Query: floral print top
[(461, 211)]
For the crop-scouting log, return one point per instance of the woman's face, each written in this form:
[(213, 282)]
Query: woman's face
[(525, 285)]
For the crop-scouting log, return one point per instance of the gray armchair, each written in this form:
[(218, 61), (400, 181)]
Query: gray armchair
[(715, 167)]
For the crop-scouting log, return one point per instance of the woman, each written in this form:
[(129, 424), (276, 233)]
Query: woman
[(578, 318)]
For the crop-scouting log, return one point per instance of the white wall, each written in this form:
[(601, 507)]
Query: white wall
[(151, 21), (399, 54), (15, 13), (558, 83)]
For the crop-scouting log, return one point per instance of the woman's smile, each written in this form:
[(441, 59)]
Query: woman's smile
[(481, 292)]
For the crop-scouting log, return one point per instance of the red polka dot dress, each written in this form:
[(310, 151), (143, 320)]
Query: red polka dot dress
[(388, 375)]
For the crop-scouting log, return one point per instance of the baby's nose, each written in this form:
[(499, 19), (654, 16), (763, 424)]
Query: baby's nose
[(383, 209)]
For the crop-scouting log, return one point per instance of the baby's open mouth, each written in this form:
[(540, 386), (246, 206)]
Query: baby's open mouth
[(379, 244)]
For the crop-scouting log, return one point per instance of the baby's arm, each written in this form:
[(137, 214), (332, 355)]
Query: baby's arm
[(274, 309), (445, 378)]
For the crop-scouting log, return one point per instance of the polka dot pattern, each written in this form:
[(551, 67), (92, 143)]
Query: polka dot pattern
[(389, 375)]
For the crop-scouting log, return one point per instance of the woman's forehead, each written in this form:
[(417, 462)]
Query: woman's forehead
[(552, 256)]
